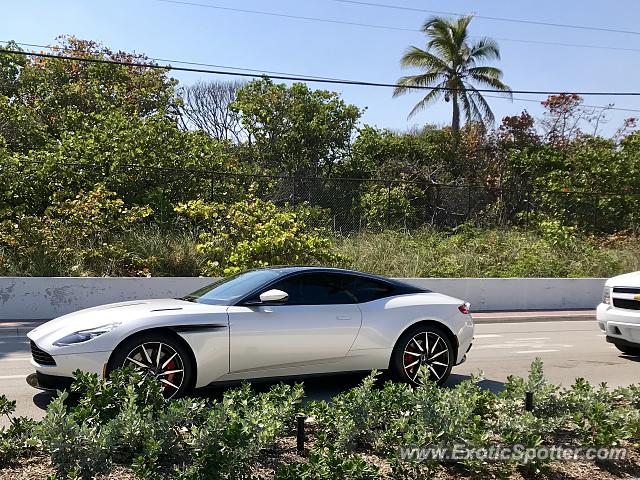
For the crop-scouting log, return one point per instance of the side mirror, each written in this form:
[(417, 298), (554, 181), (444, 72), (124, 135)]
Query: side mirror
[(274, 296)]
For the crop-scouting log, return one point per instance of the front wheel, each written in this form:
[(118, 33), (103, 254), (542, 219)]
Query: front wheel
[(160, 356), (423, 346)]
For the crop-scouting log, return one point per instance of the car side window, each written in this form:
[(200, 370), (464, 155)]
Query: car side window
[(316, 289), (367, 290)]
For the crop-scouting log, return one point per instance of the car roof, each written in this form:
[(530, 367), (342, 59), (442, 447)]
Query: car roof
[(288, 269), (306, 268)]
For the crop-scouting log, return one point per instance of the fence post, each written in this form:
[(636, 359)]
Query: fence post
[(293, 193), (388, 203), (596, 203), (528, 210), (211, 191)]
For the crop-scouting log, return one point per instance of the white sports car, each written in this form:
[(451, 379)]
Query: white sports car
[(273, 322)]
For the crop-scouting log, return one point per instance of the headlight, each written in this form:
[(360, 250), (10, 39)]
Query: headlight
[(606, 295), (84, 335)]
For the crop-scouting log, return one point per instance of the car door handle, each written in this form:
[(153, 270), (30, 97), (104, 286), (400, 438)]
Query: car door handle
[(343, 317)]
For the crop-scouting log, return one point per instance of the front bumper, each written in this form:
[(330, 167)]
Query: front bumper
[(48, 383), (621, 326), (622, 342), (60, 374)]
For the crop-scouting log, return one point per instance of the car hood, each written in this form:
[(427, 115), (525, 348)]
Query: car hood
[(132, 315), (627, 280)]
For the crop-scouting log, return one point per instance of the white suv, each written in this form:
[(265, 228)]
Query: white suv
[(619, 313)]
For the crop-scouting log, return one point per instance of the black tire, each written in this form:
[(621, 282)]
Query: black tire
[(635, 351), (173, 367), (410, 348)]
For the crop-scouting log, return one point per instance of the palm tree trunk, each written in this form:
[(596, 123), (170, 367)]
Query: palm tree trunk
[(455, 121)]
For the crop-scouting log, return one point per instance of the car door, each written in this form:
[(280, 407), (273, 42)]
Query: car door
[(316, 325)]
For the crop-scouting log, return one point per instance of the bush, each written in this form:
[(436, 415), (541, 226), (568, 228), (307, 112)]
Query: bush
[(390, 206), (125, 419), (73, 235), (17, 439), (125, 422), (256, 233)]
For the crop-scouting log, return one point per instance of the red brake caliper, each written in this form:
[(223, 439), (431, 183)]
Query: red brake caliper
[(170, 366)]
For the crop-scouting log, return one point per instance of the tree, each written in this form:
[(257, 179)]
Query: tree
[(564, 117), (295, 130), (52, 95), (422, 156), (206, 106), (450, 67)]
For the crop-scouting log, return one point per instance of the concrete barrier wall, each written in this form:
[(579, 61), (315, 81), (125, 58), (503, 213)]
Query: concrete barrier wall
[(40, 298), (490, 294)]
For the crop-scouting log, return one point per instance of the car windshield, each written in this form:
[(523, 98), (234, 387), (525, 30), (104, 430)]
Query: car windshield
[(228, 290)]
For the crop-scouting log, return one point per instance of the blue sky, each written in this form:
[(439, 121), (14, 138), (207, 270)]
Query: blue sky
[(198, 34)]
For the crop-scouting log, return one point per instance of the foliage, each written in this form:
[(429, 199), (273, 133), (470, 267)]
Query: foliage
[(72, 233), (325, 464), (256, 233), (17, 439), (125, 421), (469, 251), (390, 206), (422, 155), (67, 126), (238, 428), (295, 130)]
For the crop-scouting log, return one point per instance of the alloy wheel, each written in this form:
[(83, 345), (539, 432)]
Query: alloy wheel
[(161, 361), (428, 349)]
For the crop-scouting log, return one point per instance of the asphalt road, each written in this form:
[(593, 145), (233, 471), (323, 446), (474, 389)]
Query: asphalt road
[(569, 349)]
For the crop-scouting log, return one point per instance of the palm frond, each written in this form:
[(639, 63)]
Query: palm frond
[(484, 49), (404, 84), (470, 109), (417, 57), (486, 76), (440, 32), (481, 104), (430, 97), (460, 30)]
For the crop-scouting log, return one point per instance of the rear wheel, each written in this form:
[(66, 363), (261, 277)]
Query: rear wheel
[(158, 355), (628, 350), (423, 346)]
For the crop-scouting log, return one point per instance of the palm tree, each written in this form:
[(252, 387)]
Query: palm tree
[(450, 66)]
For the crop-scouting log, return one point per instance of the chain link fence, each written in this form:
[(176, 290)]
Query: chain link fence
[(350, 205)]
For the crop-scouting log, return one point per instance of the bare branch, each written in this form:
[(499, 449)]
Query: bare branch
[(206, 106)]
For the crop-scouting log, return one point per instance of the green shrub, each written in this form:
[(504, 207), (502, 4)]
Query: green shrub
[(238, 428), (390, 206), (165, 253), (256, 233), (17, 439), (125, 421), (328, 464), (72, 235)]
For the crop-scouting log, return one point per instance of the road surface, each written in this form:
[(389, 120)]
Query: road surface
[(569, 349)]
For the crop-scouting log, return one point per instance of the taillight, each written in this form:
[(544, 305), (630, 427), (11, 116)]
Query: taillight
[(464, 308)]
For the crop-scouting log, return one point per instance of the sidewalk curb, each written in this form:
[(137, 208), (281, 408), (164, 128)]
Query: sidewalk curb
[(15, 331)]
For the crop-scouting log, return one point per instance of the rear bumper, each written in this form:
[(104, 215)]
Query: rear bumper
[(46, 382)]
